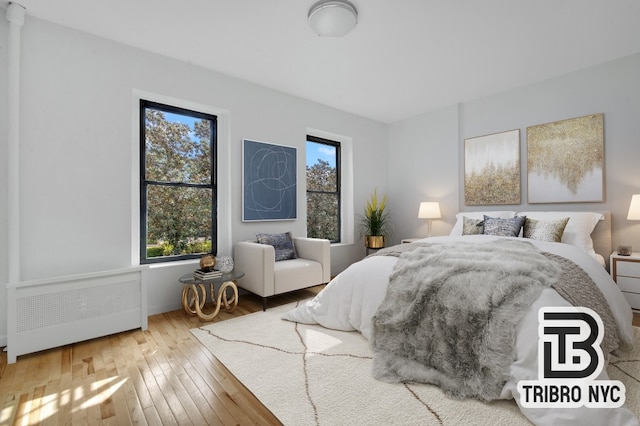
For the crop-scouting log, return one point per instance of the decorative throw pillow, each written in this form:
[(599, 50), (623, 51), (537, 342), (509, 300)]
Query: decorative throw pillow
[(282, 243), (503, 227), (578, 230), (545, 230), (457, 228), (472, 226)]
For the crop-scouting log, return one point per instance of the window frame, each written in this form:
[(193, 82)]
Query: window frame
[(338, 192), (145, 183)]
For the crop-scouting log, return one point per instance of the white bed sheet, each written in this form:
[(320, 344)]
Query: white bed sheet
[(351, 299)]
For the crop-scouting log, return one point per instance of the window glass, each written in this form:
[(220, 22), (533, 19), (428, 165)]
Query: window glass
[(178, 148), (323, 188), (177, 178)]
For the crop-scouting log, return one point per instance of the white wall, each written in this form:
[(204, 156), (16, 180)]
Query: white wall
[(423, 154), (612, 88), (77, 144)]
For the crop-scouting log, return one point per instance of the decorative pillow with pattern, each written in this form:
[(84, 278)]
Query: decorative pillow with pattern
[(457, 228), (472, 226), (578, 230), (503, 227), (545, 230), (282, 243)]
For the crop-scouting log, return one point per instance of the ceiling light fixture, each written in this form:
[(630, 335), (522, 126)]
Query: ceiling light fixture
[(333, 18)]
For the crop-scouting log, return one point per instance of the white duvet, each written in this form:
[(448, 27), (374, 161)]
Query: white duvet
[(351, 299)]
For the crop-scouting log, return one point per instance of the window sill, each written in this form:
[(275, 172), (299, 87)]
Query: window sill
[(175, 263)]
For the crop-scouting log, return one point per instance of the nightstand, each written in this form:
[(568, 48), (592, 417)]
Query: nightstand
[(625, 271)]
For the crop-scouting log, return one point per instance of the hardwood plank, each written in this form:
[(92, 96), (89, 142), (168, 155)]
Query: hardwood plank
[(206, 383), (152, 417), (36, 404), (22, 410), (129, 396), (140, 388), (90, 398), (160, 405), (64, 395), (51, 402), (104, 398), (171, 347)]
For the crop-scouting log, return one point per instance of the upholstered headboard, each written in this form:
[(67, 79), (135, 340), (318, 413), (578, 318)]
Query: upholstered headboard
[(601, 237)]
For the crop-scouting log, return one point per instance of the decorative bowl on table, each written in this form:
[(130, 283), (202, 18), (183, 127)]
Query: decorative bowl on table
[(225, 264)]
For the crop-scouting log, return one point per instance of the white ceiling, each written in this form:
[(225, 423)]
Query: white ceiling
[(404, 58)]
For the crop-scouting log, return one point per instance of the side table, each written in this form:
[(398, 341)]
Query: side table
[(625, 271), (194, 294)]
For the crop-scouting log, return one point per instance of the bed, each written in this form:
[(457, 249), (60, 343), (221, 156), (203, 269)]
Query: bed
[(403, 320)]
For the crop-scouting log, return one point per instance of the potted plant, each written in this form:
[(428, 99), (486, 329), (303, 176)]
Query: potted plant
[(374, 222)]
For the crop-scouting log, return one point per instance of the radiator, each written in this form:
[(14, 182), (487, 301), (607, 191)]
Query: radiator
[(53, 312)]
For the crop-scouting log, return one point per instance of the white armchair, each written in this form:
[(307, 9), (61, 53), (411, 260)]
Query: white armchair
[(266, 277)]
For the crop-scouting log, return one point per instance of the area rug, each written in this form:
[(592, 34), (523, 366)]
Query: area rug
[(310, 375)]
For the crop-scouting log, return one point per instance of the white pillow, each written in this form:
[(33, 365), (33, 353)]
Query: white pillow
[(578, 229), (457, 228)]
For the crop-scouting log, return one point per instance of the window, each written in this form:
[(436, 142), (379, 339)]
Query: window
[(323, 188), (177, 183)]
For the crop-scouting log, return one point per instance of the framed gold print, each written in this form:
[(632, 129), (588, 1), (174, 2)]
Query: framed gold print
[(565, 161), (492, 169)]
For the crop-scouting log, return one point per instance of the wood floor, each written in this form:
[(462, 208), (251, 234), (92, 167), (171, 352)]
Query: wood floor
[(161, 376)]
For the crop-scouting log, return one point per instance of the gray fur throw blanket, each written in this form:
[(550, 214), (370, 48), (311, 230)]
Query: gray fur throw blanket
[(450, 314)]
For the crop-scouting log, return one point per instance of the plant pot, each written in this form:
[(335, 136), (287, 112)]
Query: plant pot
[(374, 241)]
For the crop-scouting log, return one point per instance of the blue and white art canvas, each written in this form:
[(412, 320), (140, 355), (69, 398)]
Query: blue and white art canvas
[(269, 190)]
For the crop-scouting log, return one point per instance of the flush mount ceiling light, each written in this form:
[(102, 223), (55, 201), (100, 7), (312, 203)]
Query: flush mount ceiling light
[(333, 18)]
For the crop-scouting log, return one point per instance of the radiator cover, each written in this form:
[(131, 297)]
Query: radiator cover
[(53, 312)]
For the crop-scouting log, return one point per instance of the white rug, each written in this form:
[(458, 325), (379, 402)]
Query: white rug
[(308, 375)]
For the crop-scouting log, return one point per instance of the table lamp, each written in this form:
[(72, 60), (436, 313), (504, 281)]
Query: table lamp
[(634, 214), (634, 208), (431, 210)]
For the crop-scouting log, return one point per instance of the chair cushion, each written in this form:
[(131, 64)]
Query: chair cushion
[(296, 274), (282, 244)]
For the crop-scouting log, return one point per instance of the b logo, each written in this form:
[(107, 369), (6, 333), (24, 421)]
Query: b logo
[(570, 343), (569, 359)]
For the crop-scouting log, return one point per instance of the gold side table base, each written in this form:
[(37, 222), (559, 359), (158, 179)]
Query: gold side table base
[(194, 296)]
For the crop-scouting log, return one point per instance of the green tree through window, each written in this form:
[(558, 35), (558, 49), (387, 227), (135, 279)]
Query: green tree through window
[(177, 183), (323, 188)]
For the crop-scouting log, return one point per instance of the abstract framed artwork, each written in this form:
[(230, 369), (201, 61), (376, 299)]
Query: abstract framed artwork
[(269, 189), (565, 161), (492, 169)]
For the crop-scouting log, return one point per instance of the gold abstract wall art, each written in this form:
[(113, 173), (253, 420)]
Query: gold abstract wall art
[(565, 161), (492, 169)]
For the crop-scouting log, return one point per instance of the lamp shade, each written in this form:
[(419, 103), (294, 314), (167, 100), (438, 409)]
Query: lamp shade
[(634, 208), (429, 210), (333, 18)]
